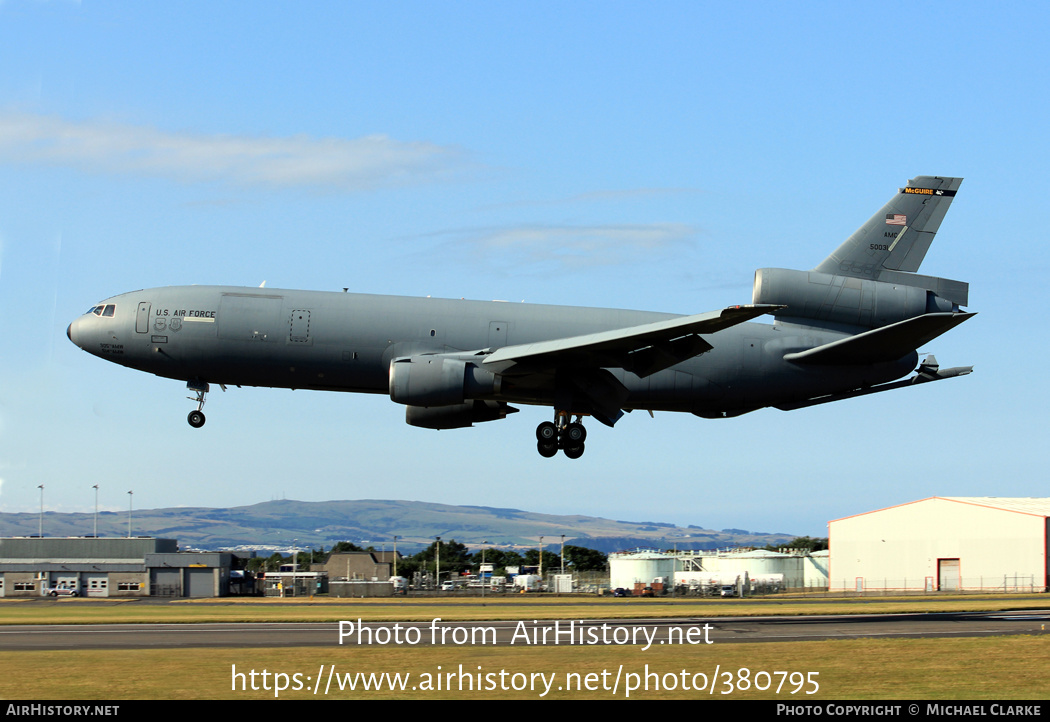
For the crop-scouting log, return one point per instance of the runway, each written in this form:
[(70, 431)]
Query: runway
[(525, 632)]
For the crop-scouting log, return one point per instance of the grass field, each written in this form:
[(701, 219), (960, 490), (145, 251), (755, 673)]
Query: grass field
[(1000, 668)]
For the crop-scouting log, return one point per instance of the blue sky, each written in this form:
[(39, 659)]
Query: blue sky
[(630, 155)]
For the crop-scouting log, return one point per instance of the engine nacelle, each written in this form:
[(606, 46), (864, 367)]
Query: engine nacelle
[(843, 299), (459, 416), (439, 381)]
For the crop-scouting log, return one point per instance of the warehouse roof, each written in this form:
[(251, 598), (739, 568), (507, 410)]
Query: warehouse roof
[(1028, 505), (1036, 506)]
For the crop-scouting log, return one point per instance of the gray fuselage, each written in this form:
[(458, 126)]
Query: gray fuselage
[(346, 342)]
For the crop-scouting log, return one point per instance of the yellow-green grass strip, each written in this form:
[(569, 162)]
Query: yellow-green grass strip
[(1007, 668)]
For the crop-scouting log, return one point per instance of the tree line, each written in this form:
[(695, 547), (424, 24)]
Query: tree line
[(454, 557)]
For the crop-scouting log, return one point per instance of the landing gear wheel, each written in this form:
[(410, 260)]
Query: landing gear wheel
[(547, 449), (547, 432), (561, 434), (200, 390), (575, 451), (574, 434)]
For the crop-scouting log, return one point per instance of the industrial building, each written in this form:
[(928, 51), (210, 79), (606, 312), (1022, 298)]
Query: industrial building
[(944, 544), (366, 565), (938, 544), (109, 567)]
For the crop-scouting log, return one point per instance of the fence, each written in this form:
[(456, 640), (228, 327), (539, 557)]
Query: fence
[(1004, 584)]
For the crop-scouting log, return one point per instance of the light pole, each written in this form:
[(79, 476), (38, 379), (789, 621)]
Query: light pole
[(562, 553), (95, 487), (395, 555), (437, 563), (674, 568), (40, 531), (541, 561), (131, 497), (481, 572)]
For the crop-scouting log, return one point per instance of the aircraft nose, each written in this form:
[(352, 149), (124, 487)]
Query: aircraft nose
[(73, 333)]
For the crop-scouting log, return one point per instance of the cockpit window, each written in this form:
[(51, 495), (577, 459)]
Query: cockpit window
[(109, 310), (97, 310)]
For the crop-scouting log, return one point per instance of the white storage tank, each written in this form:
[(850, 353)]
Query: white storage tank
[(756, 563), (629, 568)]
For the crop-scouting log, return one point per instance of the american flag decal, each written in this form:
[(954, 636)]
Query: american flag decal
[(896, 219)]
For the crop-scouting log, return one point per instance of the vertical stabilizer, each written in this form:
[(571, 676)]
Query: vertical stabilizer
[(898, 236)]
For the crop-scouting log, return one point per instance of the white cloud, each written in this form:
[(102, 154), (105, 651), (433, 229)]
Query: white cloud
[(336, 163)]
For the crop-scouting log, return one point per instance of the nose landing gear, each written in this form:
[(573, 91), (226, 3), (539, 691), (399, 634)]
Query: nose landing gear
[(561, 434), (196, 418)]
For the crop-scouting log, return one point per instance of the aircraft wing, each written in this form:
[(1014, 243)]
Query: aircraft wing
[(642, 350), (885, 344)]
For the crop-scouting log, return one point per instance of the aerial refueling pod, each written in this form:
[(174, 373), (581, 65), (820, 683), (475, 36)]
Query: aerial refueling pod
[(844, 299), (459, 416), (434, 380)]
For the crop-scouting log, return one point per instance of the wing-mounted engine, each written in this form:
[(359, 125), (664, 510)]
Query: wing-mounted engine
[(814, 296), (439, 380), (459, 416), (446, 392)]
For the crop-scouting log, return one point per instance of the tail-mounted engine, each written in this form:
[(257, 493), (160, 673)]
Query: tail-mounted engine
[(810, 295)]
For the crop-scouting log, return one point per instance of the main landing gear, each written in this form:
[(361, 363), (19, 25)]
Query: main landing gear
[(561, 434), (196, 418)]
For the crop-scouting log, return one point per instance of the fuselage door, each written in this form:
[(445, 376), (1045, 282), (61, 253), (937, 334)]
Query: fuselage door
[(142, 317), (300, 327)]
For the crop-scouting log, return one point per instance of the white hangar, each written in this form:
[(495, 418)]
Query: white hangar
[(950, 543)]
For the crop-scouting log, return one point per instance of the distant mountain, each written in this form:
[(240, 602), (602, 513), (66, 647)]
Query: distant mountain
[(275, 524)]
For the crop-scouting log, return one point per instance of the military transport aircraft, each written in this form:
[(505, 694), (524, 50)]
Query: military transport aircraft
[(849, 327)]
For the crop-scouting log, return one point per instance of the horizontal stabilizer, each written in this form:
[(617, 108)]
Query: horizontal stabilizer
[(928, 371), (642, 350), (881, 345)]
